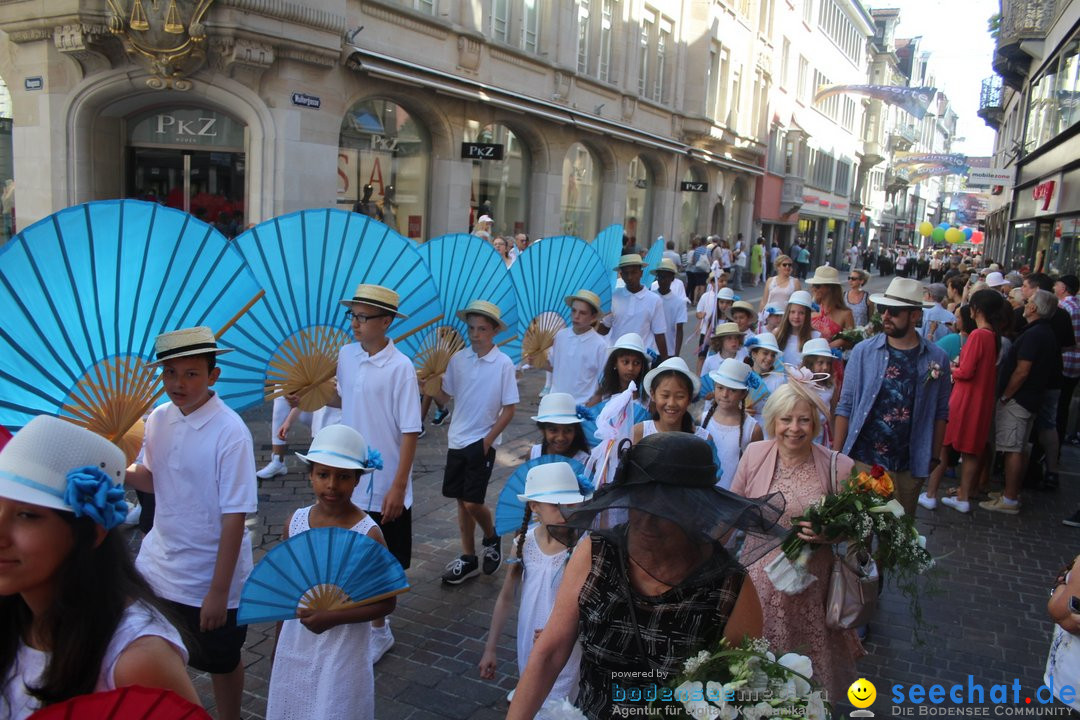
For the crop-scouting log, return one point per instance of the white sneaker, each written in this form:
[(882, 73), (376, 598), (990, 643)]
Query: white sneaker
[(275, 467), (927, 502), (962, 506), (381, 641), (133, 516)]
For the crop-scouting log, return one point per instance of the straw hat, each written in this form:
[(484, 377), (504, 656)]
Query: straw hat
[(665, 265), (630, 260), (763, 341), (377, 295), (676, 364), (187, 341), (728, 328), (902, 293), (36, 463), (801, 297), (553, 483), (818, 347), (340, 446), (585, 296), (731, 373), (745, 307), (825, 275), (629, 341), (557, 408), (485, 308)]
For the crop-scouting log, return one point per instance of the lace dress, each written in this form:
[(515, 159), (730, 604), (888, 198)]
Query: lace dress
[(797, 622), (327, 676)]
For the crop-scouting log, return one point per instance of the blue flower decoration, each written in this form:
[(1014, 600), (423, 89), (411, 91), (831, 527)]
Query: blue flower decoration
[(585, 486), (837, 353), (815, 307), (585, 413), (751, 341), (753, 380), (374, 460), (653, 355), (91, 493)]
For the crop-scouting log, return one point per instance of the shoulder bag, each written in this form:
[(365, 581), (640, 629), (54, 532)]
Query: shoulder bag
[(853, 584)]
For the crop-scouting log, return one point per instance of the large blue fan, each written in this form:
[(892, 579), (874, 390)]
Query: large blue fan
[(308, 261), (83, 294), (544, 275), (653, 257), (466, 268), (321, 569), (608, 245), (509, 512)]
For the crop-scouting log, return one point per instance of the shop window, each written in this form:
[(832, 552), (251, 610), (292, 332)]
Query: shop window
[(691, 205), (579, 209), (383, 159), (639, 195), (499, 180), (1054, 100), (1065, 250)]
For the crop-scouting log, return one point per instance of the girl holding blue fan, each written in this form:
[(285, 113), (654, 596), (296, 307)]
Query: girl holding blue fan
[(537, 571), (313, 649), (560, 425)]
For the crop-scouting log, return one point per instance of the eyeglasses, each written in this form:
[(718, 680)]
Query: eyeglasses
[(785, 264), (361, 317), (895, 311), (854, 277)]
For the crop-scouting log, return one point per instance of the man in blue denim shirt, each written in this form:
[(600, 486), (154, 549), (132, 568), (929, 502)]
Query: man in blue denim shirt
[(895, 399)]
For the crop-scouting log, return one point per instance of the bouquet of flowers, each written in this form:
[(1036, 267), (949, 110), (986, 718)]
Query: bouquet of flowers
[(857, 334), (747, 681)]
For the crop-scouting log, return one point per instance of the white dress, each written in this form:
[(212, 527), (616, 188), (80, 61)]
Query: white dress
[(537, 450), (327, 676), (648, 427), (540, 582), (728, 447), (138, 621)]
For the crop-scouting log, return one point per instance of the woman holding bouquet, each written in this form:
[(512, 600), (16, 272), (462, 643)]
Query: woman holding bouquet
[(792, 464)]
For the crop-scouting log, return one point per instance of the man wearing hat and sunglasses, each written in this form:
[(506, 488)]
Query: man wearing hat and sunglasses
[(895, 399), (634, 309)]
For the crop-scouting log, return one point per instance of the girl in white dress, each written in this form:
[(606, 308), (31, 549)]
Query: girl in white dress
[(537, 571), (726, 420), (306, 680), (765, 377), (818, 361), (75, 615), (559, 422)]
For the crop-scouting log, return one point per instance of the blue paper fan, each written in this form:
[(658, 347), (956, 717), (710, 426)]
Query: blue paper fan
[(321, 569), (608, 245), (588, 425), (83, 294), (466, 268), (544, 275), (510, 511), (308, 261), (654, 256)]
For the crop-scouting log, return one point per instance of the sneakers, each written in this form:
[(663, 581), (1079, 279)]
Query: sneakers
[(132, 519), (1001, 505), (927, 502), (423, 432), (440, 416), (1050, 481), (459, 570), (273, 469), (492, 554), (381, 641), (962, 506), (1073, 520)]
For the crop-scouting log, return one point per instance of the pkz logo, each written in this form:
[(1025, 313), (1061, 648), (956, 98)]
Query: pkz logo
[(481, 151), (1044, 191), (688, 186), (196, 127)]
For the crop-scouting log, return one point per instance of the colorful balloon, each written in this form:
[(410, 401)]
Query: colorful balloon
[(968, 232), (953, 236), (938, 235), (977, 237), (926, 229)]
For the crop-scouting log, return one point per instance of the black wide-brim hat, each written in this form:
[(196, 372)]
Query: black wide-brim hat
[(672, 475)]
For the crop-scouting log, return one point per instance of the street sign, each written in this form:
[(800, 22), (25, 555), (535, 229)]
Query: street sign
[(305, 100), (34, 83)]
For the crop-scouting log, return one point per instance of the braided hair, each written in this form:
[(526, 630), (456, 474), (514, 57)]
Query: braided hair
[(742, 419), (519, 544)]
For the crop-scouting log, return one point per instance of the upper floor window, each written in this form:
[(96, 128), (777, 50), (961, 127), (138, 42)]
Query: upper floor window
[(500, 20), (607, 22), (663, 44), (804, 93), (425, 6), (530, 25), (583, 36), (647, 22), (515, 22), (785, 61)]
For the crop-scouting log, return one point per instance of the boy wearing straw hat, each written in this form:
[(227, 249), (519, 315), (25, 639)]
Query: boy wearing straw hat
[(482, 381), (634, 309), (578, 352), (199, 461), (673, 303)]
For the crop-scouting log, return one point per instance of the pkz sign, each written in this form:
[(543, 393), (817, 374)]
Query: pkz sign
[(481, 151), (694, 186), (188, 126)]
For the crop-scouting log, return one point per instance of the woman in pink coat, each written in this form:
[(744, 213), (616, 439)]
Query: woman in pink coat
[(792, 464)]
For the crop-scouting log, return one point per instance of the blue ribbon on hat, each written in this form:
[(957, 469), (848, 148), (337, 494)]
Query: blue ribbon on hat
[(751, 341), (585, 485), (585, 413), (837, 353), (374, 460), (91, 493), (653, 355)]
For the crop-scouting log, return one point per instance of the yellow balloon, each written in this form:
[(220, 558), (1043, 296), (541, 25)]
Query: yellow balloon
[(954, 235), (925, 229)]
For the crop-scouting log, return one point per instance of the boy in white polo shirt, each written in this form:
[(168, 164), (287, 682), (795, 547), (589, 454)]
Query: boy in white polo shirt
[(673, 304), (635, 309), (578, 352), (481, 380), (199, 461)]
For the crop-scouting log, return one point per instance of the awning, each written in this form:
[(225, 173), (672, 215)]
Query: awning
[(409, 73)]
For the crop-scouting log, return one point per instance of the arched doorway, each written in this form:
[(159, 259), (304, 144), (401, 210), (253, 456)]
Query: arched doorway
[(694, 189), (500, 173), (383, 165), (639, 201), (719, 215), (579, 209)]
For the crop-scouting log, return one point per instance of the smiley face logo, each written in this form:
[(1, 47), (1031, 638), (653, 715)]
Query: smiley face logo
[(862, 693)]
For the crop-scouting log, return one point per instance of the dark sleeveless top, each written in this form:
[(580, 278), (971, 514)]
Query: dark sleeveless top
[(674, 626)]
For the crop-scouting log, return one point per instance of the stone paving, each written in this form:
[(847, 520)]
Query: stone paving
[(987, 610)]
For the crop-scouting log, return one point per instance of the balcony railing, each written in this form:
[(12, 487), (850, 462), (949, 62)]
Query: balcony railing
[(992, 102), (902, 137), (791, 194), (1021, 20)]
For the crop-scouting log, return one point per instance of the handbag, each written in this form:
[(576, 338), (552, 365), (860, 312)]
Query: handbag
[(852, 595), (703, 263)]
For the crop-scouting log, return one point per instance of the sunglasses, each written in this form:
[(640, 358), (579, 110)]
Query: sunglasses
[(785, 264), (854, 277), (895, 311)]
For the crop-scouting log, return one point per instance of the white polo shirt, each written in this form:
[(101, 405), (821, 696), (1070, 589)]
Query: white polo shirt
[(204, 467), (676, 287), (640, 312), (674, 306), (380, 400), (480, 386), (577, 361)]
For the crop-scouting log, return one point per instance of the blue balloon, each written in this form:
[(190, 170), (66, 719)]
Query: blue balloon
[(968, 232), (944, 226)]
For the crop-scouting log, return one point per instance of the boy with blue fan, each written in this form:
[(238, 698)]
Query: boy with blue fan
[(199, 462), (313, 650)]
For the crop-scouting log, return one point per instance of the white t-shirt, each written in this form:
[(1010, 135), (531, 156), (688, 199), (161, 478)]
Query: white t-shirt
[(538, 449), (674, 306), (640, 312), (379, 400), (942, 317), (677, 287), (204, 467), (712, 362), (480, 386), (137, 621), (577, 362), (792, 354), (728, 448)]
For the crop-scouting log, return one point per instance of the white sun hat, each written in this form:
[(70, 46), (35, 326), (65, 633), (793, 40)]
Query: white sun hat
[(731, 373), (763, 341), (801, 297), (818, 347), (558, 408), (629, 341), (676, 364), (725, 294), (553, 483), (340, 446)]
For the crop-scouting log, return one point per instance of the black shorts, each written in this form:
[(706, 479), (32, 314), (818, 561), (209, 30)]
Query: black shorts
[(217, 651), (398, 535), (467, 473)]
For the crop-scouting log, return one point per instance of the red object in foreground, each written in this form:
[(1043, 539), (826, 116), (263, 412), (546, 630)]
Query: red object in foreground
[(126, 703), (877, 471), (4, 436)]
